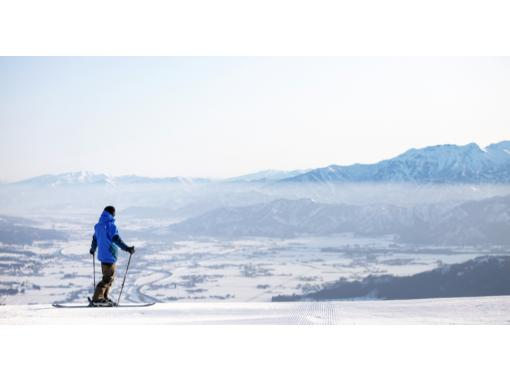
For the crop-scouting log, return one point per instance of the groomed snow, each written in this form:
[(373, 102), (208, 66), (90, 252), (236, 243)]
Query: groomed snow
[(476, 310)]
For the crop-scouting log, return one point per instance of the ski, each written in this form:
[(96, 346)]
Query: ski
[(80, 306), (92, 304)]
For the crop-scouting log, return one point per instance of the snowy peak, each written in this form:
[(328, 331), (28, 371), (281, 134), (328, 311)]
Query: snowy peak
[(72, 178), (88, 178), (499, 153), (435, 164), (442, 152)]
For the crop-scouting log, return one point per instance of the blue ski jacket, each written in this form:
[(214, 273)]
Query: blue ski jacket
[(106, 238)]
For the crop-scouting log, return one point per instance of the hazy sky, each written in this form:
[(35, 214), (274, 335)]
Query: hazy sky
[(221, 117)]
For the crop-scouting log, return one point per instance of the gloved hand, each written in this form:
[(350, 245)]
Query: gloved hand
[(91, 251), (131, 250)]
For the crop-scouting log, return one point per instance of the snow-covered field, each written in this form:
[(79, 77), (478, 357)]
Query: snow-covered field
[(476, 310), (212, 270)]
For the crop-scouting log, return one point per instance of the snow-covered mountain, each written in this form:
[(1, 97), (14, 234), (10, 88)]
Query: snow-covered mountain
[(72, 178), (266, 176), (89, 178), (477, 222), (436, 164)]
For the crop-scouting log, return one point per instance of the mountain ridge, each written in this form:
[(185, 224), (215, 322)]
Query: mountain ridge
[(90, 178), (447, 163), (471, 222)]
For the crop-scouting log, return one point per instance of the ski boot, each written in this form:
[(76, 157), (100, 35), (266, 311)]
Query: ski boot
[(101, 303), (110, 301)]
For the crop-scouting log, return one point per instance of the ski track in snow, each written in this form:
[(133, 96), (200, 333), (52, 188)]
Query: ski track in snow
[(476, 310)]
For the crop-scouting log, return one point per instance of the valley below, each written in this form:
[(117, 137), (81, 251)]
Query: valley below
[(208, 269)]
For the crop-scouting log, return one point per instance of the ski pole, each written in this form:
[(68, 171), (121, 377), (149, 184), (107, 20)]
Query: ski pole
[(123, 281), (94, 266)]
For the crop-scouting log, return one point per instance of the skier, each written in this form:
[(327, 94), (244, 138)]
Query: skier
[(106, 238)]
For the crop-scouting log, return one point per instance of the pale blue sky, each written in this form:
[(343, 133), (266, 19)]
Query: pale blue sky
[(221, 117)]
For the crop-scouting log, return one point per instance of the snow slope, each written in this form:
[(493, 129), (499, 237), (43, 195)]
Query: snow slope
[(477, 310)]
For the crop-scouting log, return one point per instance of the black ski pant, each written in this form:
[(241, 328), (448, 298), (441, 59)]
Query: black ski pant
[(103, 287)]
